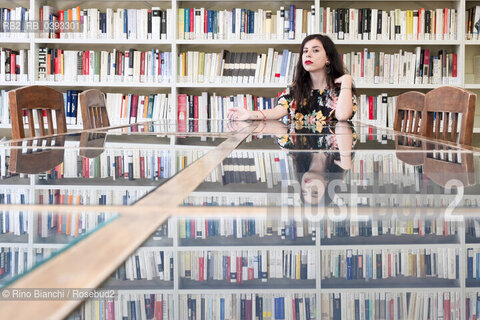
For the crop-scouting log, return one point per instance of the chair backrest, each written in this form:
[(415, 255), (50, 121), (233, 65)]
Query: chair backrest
[(43, 100), (408, 113), (94, 111), (449, 109)]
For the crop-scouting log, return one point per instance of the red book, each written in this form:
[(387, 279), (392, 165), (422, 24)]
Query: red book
[(110, 310), (454, 65), (362, 63), (192, 20), (120, 63), (201, 270), (205, 22), (142, 67), (389, 264), (142, 167), (392, 310), (419, 29), (158, 307), (86, 66), (248, 309), (250, 274), (159, 172), (239, 269), (158, 56), (294, 310), (227, 267), (182, 112), (445, 22), (426, 63), (195, 107), (446, 306), (12, 66), (370, 108), (134, 108)]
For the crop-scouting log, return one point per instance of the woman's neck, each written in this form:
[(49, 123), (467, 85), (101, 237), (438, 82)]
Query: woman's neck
[(319, 79), (318, 162)]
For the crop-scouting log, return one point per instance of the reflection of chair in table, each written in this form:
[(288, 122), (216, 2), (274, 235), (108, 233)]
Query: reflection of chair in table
[(36, 157), (92, 144), (444, 167), (409, 150)]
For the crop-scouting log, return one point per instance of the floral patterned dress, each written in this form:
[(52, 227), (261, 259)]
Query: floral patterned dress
[(322, 104)]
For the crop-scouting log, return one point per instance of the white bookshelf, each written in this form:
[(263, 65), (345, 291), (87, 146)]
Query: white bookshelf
[(465, 49)]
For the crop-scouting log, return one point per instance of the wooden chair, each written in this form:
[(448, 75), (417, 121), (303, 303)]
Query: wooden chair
[(443, 106), (408, 113), (36, 157), (94, 111), (42, 99), (92, 144)]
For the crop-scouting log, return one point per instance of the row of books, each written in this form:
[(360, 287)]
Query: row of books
[(302, 306), (473, 263), (472, 227), (13, 221), (91, 23), (13, 261), (201, 228), (396, 24), (18, 16), (130, 65), (401, 305), (118, 164), (472, 27), (257, 200), (132, 108), (404, 67), (69, 223), (237, 67), (129, 306), (147, 264), (382, 169), (238, 266), (374, 227), (213, 106), (366, 264), (289, 23), (472, 305), (13, 64), (376, 110)]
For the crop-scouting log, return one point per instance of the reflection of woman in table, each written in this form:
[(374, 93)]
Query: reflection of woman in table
[(315, 171)]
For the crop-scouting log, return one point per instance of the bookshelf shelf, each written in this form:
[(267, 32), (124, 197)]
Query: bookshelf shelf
[(239, 42), (103, 84), (22, 40), (102, 41), (390, 283), (399, 42), (229, 85)]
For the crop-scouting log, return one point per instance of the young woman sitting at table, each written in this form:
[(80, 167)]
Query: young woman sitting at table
[(321, 83)]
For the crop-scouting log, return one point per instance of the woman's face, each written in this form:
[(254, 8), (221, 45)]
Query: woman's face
[(314, 56), (313, 187)]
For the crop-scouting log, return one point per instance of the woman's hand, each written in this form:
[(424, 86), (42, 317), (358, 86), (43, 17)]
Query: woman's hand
[(345, 81), (238, 114)]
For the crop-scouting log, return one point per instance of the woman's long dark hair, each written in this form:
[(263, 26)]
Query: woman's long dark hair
[(302, 86)]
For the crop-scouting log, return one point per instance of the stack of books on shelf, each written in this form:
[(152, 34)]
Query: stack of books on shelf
[(14, 65), (367, 264), (396, 24), (472, 27), (248, 306), (89, 66), (237, 67), (240, 266), (395, 305), (119, 24), (13, 22), (289, 23)]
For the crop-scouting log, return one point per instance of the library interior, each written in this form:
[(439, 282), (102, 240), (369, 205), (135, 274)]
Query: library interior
[(129, 189)]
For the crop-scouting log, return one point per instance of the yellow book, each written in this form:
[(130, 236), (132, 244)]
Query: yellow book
[(145, 108), (188, 269), (297, 266), (409, 24), (182, 228), (409, 227), (184, 64), (181, 24), (201, 67)]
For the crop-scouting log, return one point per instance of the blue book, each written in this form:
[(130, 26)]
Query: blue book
[(291, 31), (125, 21), (349, 264), (469, 263), (478, 266), (187, 21), (222, 308), (234, 12), (210, 24)]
